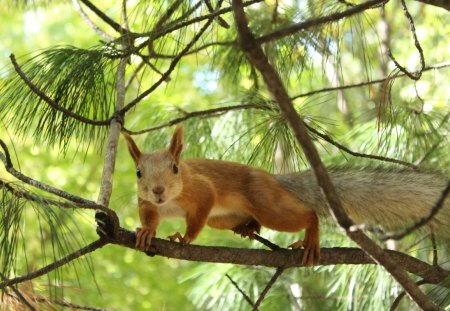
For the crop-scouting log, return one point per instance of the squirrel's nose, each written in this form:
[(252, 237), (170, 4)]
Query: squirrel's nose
[(158, 190)]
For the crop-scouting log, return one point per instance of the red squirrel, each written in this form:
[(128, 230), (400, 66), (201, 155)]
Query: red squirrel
[(220, 194)]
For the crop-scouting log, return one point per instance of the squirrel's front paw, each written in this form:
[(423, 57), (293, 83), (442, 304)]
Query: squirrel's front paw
[(180, 238), (144, 238)]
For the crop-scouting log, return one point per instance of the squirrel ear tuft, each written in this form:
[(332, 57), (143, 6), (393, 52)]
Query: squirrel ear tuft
[(132, 148), (176, 144)]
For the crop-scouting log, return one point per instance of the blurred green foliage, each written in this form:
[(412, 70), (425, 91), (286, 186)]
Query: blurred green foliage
[(121, 279)]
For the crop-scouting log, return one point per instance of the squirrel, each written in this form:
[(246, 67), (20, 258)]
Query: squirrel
[(229, 195)]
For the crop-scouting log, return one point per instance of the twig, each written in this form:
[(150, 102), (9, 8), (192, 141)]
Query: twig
[(105, 17), (55, 265), (358, 154), (167, 73), (89, 22), (423, 221), (35, 198), (277, 34), (190, 115), (355, 85), (50, 101), (246, 297), (416, 76), (256, 56), (435, 252), (19, 294), (219, 19), (266, 289), (397, 300), (266, 242), (10, 169)]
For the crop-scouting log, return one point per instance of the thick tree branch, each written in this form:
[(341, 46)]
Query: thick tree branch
[(285, 258), (255, 54)]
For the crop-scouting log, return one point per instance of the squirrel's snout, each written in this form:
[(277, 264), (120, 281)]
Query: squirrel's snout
[(158, 190)]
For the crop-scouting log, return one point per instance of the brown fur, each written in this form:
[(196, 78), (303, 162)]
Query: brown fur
[(221, 194)]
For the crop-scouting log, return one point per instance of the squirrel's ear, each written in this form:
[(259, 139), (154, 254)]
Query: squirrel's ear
[(176, 144), (132, 148)]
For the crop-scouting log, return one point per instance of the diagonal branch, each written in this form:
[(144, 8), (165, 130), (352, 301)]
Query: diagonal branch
[(55, 265), (277, 34), (73, 198), (105, 17), (256, 56), (266, 289), (167, 73)]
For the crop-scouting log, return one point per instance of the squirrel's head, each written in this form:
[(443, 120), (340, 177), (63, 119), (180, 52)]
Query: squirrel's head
[(158, 173)]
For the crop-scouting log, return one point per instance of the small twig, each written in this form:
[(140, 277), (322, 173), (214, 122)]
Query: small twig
[(167, 73), (105, 17), (397, 300), (355, 85), (190, 115), (35, 198), (55, 265), (267, 288), (50, 101), (435, 252), (358, 154), (219, 19), (10, 169), (19, 294), (246, 297), (423, 221), (266, 242), (414, 76), (89, 22), (314, 22)]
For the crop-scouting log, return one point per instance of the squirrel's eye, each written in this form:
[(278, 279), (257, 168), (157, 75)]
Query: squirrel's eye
[(175, 169), (138, 173)]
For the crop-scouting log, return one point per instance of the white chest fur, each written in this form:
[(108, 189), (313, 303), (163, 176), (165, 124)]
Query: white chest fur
[(171, 209)]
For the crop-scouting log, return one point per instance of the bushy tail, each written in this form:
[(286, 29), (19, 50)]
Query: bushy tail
[(393, 200)]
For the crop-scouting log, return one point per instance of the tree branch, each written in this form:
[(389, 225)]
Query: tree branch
[(246, 297), (73, 198), (55, 265), (285, 258), (50, 101), (105, 17), (266, 289), (167, 73), (277, 34), (444, 4), (256, 55)]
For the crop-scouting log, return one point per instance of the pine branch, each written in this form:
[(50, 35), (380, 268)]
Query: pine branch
[(285, 258), (246, 297), (317, 21), (89, 22), (55, 265), (256, 55), (105, 17), (50, 101), (194, 114), (167, 73), (73, 198)]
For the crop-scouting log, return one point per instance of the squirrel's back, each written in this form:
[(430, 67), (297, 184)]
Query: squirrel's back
[(389, 198)]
